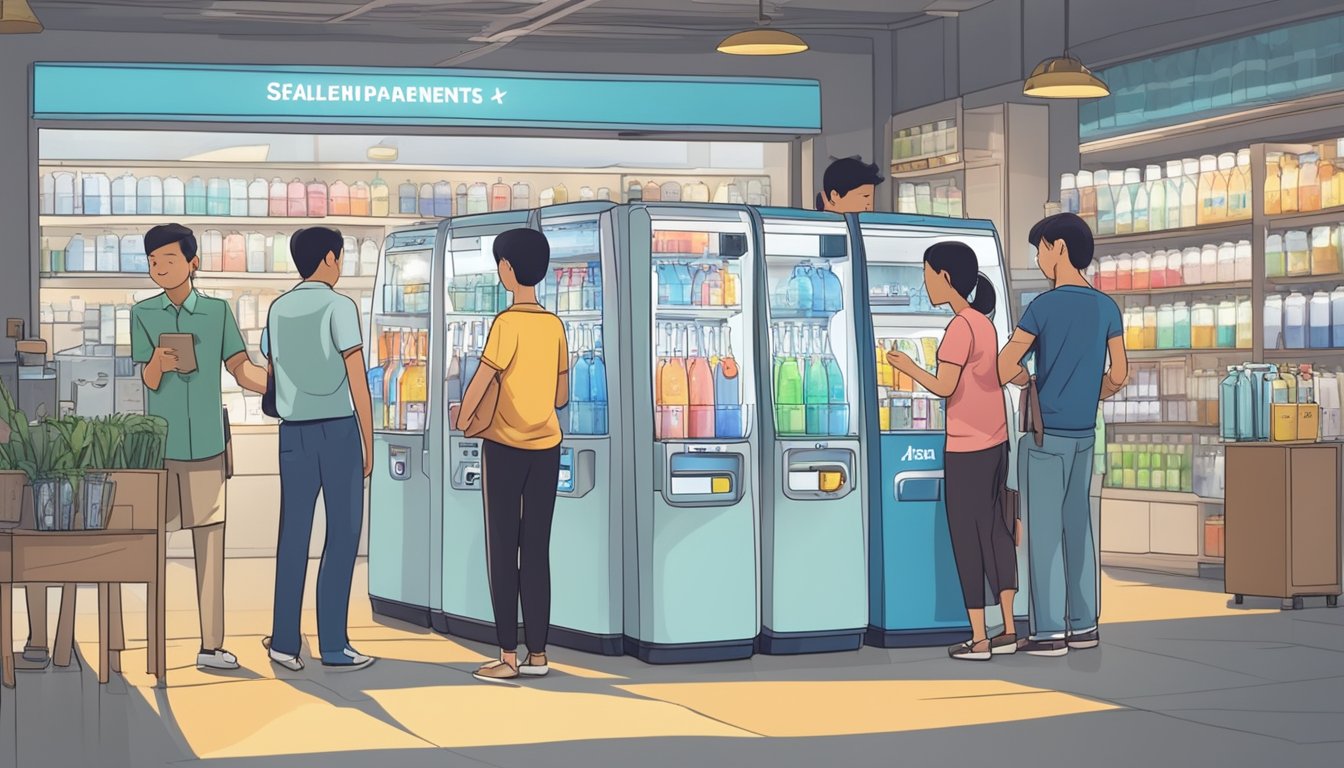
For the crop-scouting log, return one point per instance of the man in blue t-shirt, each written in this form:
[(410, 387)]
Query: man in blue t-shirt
[(1069, 330)]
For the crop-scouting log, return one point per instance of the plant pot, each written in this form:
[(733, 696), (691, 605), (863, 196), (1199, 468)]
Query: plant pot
[(11, 498), (96, 494), (53, 505)]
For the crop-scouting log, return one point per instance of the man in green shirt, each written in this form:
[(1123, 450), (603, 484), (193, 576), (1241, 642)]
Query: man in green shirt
[(188, 397)]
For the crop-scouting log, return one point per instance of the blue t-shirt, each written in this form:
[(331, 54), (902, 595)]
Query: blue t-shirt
[(1072, 326)]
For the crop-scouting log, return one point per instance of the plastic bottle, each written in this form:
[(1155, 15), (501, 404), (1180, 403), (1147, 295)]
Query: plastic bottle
[(1226, 333), (1336, 317), (1124, 272), (1274, 320), (1289, 176), (1276, 264), (212, 250), (1295, 321), (1273, 183), (338, 199), (1149, 320), (501, 195), (1166, 327), (133, 257), (1202, 322), (1297, 253), (47, 197), (478, 198), (522, 196), (379, 198), (237, 197), (1174, 182), (75, 260), (258, 198), (1106, 279), (1069, 200), (1325, 172), (1133, 322), (1157, 198), (1208, 264), (1241, 271), (1122, 190), (278, 203), (317, 199), (1309, 184), (297, 195), (1087, 198), (1180, 323), (1245, 406), (1158, 274), (1141, 279), (368, 258), (1227, 262), (97, 194), (256, 252), (1190, 266), (1324, 251), (234, 254), (123, 196), (1222, 183), (1105, 202), (1208, 176), (1142, 201), (107, 253), (1190, 193), (406, 199), (1239, 188), (1318, 320), (281, 260), (1227, 404)]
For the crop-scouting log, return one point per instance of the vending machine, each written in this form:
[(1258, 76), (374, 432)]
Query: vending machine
[(814, 579), (586, 559), (915, 597), (691, 518), (404, 493), (472, 296)]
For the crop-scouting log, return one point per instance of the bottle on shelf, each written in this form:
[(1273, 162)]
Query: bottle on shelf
[(1140, 191), (317, 199), (1069, 201), (1202, 326), (1308, 183), (1227, 404), (1273, 183), (297, 195), (501, 196), (1122, 192), (1289, 176), (1274, 321), (442, 205), (522, 196), (281, 261), (256, 252), (380, 198), (133, 258), (75, 260), (1325, 173), (478, 198), (1336, 317), (1227, 263), (1276, 264), (107, 253), (97, 194), (212, 250), (258, 198), (338, 199), (1087, 198), (237, 197), (360, 204), (675, 390), (1295, 321), (65, 194), (653, 193), (349, 257), (406, 199), (123, 195), (1149, 327), (1222, 185), (234, 253), (1239, 187), (1325, 255), (46, 200), (427, 200), (790, 417), (1318, 321), (1245, 323), (1190, 192), (701, 381), (368, 258), (277, 203), (1297, 248)]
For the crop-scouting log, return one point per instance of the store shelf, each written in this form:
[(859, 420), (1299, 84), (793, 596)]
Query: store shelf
[(144, 222), (1160, 497), (696, 314), (1289, 355), (912, 320), (113, 280), (1332, 279), (1161, 354), (368, 170), (413, 320), (943, 170), (1163, 427), (1182, 289), (1234, 230), (1306, 220)]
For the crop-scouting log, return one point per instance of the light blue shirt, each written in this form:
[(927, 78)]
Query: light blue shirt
[(313, 327)]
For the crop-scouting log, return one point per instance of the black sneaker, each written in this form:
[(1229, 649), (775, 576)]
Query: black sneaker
[(1084, 640), (1003, 645), (1043, 647), (969, 651)]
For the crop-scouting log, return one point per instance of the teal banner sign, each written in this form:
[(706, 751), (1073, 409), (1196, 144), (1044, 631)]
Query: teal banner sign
[(447, 97)]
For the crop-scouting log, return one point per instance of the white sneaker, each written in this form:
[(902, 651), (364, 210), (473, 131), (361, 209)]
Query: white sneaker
[(528, 669), (356, 661), (292, 663), (216, 659)]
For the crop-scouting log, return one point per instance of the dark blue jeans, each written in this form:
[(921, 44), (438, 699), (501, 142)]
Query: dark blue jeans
[(327, 456)]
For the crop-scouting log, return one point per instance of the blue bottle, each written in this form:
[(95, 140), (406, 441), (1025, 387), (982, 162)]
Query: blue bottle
[(838, 418), (1245, 410), (698, 285), (443, 200), (217, 200), (1228, 428), (835, 296), (376, 389), (665, 286), (426, 200), (595, 282), (597, 378), (406, 199), (580, 392), (196, 199), (799, 297), (683, 282), (74, 254), (727, 394), (133, 258), (97, 195), (818, 290)]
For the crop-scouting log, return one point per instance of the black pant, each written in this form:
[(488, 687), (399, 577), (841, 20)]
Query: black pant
[(519, 490), (982, 535)]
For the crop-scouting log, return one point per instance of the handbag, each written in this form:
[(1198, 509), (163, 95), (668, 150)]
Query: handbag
[(1029, 405), (268, 405), (484, 415)]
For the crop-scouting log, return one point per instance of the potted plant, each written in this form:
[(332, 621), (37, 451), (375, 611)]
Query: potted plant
[(12, 478), (125, 452), (52, 470)]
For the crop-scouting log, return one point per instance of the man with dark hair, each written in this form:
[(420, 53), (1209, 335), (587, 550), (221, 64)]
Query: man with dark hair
[(314, 344), (1069, 331), (191, 402), (848, 186), (527, 351)]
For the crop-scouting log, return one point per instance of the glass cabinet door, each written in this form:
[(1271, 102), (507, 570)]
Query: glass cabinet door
[(905, 320), (703, 388), (813, 368), (399, 340), (573, 291)]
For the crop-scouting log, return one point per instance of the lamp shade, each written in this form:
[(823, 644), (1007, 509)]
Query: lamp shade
[(762, 42), (1064, 78), (17, 18)]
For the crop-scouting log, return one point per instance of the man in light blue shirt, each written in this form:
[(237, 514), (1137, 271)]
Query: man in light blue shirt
[(1070, 330), (314, 345)]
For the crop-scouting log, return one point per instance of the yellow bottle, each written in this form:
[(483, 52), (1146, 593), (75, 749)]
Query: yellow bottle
[(886, 375), (1288, 179), (1208, 176), (1273, 183), (730, 286)]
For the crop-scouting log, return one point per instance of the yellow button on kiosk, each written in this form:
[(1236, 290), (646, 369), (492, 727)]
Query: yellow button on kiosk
[(823, 480), (720, 484)]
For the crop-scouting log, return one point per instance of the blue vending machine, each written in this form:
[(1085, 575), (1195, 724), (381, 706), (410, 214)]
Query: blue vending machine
[(472, 296), (915, 596), (691, 519), (814, 579), (404, 494), (586, 591)]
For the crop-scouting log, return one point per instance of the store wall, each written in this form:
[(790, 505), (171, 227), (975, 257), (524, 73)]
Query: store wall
[(854, 114)]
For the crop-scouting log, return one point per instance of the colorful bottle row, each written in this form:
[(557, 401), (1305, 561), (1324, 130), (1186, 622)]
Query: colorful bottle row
[(1297, 253), (808, 291), (1141, 271), (925, 141), (1296, 322), (1150, 465), (697, 387), (682, 284), (1261, 401), (586, 413), (1194, 192), (931, 199), (400, 381), (1307, 182), (232, 253), (810, 395), (903, 404), (1227, 324), (1182, 397)]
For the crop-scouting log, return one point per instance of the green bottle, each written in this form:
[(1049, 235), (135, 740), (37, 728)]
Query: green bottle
[(816, 390), (789, 394)]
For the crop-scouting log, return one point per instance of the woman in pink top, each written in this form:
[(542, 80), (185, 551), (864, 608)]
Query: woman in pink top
[(975, 469)]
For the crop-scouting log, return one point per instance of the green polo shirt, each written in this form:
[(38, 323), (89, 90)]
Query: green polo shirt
[(191, 403), (308, 331)]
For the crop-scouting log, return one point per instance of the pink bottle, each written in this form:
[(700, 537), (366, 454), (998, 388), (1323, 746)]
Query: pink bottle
[(701, 377), (338, 203), (279, 198), (298, 199), (317, 199)]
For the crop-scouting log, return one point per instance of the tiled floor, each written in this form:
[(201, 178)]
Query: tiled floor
[(1183, 678)]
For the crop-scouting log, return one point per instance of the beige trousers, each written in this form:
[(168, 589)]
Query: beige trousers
[(196, 500)]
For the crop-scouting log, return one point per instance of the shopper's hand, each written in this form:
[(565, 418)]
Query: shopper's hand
[(165, 359), (368, 461), (901, 361)]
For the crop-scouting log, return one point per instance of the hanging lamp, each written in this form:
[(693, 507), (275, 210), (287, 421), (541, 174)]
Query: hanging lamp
[(1064, 77), (17, 18), (762, 41)]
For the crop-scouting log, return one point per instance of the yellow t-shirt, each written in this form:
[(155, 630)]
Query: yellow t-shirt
[(527, 346)]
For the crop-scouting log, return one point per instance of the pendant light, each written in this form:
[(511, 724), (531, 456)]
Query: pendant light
[(762, 41), (17, 18), (1064, 77)]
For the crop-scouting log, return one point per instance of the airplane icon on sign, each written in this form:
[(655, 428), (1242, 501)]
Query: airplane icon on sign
[(498, 98)]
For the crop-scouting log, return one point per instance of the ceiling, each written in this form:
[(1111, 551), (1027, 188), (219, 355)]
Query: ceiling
[(613, 24)]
